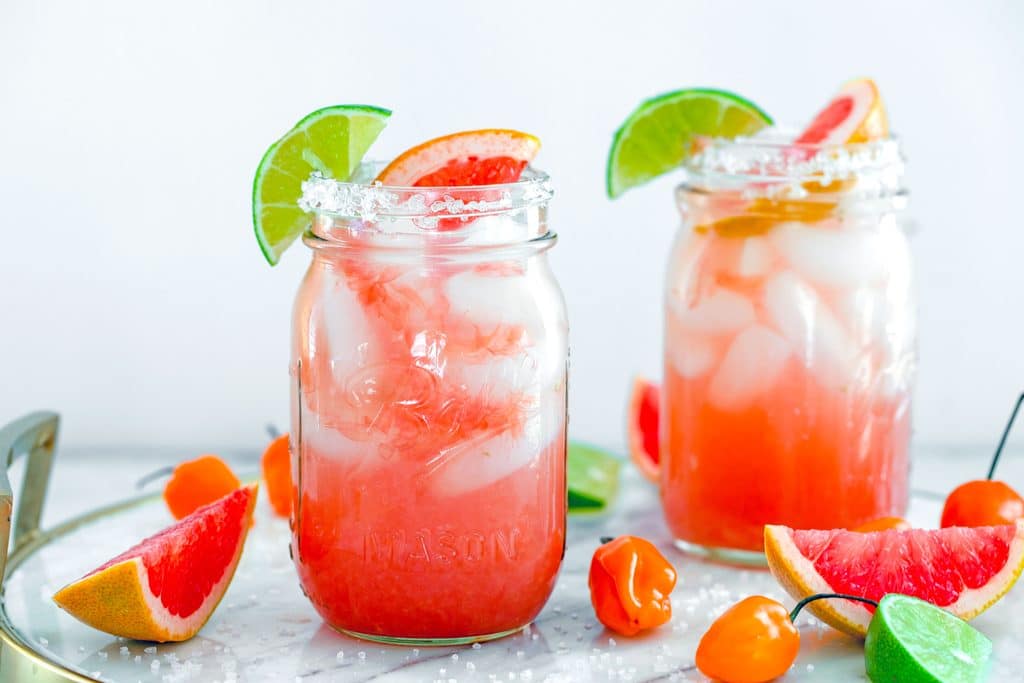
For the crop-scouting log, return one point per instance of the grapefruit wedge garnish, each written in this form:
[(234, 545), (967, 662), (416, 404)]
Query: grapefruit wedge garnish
[(473, 157), (963, 570), (642, 426), (855, 114), (165, 588)]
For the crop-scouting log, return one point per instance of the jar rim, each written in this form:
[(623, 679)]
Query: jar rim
[(361, 198), (772, 162)]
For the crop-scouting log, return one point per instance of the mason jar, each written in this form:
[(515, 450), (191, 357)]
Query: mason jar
[(790, 343), (429, 356)]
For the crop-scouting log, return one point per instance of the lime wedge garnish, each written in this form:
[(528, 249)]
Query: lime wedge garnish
[(332, 141), (658, 135), (912, 640), (593, 476)]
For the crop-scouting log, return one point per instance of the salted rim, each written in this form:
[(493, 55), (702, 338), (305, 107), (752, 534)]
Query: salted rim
[(363, 199), (774, 158)]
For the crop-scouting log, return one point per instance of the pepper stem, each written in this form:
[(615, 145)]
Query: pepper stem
[(822, 596), (606, 539), (152, 476), (1002, 441)]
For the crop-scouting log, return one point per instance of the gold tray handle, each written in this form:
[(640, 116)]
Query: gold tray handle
[(34, 435)]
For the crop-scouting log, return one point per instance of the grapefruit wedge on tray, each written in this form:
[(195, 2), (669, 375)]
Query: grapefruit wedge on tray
[(166, 587), (964, 570)]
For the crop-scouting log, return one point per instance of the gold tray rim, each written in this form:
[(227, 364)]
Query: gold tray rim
[(9, 638)]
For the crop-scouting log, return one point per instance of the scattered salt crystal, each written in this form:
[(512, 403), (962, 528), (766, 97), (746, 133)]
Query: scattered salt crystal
[(534, 637), (476, 646), (470, 666), (81, 648), (415, 652), (43, 641), (520, 654), (611, 642), (588, 626), (123, 650), (101, 654), (361, 654), (138, 658), (340, 656), (455, 657), (154, 666), (810, 668), (149, 650)]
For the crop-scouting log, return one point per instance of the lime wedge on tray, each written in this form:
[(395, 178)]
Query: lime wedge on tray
[(912, 640), (331, 140), (657, 136), (593, 476)]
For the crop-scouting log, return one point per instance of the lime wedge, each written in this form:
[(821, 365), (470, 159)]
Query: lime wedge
[(912, 640), (332, 141), (593, 476), (658, 135)]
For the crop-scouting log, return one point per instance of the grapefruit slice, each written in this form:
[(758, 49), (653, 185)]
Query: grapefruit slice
[(642, 427), (855, 114), (473, 157), (963, 570), (165, 588)]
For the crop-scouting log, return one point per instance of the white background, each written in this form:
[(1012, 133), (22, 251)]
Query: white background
[(133, 297)]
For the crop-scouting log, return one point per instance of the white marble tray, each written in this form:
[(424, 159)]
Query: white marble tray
[(266, 631)]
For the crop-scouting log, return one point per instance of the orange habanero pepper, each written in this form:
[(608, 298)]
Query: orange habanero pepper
[(630, 582)]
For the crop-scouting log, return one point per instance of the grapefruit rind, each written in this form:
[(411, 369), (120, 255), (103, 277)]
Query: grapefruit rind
[(644, 461), (798, 576), (118, 600), (433, 155)]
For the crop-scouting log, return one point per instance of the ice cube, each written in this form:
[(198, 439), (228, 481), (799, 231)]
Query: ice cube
[(489, 299), (750, 368), (828, 255), (476, 463), (752, 257), (799, 314), (691, 354), (345, 325), (722, 312), (864, 311)]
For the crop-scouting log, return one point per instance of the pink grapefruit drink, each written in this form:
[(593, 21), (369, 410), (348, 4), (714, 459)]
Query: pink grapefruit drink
[(429, 377), (789, 344)]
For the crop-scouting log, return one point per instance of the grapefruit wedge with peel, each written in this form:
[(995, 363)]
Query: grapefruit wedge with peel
[(642, 427), (856, 114), (165, 588), (963, 570), (473, 157)]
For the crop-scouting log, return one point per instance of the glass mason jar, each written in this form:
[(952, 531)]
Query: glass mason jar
[(790, 344), (429, 357)]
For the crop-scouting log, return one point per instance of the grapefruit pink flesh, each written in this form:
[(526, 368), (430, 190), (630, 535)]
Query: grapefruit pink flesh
[(644, 406), (963, 570), (166, 587)]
